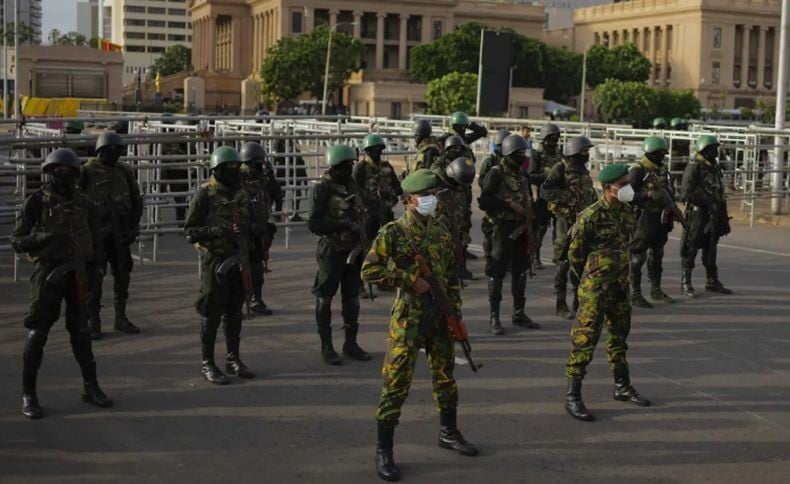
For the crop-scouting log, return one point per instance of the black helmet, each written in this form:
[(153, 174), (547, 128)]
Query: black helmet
[(500, 136), (453, 140), (576, 144), (550, 129), (462, 170), (120, 127), (252, 152), (62, 156), (422, 128), (513, 143), (108, 138)]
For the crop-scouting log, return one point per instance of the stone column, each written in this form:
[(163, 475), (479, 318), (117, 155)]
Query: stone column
[(775, 64), (357, 24), (427, 30), (653, 54), (402, 42), (212, 40), (761, 58), (309, 19), (664, 54), (333, 18), (380, 40), (745, 57)]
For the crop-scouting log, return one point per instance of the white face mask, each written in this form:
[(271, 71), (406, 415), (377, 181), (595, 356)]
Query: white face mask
[(626, 193), (426, 205)]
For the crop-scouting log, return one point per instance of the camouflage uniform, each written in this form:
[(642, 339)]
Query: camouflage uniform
[(568, 189), (486, 225), (427, 150), (404, 339), (114, 191), (540, 167), (380, 190), (450, 212), (598, 256), (462, 213)]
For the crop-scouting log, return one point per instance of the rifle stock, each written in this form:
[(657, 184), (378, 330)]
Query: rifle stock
[(669, 200), (244, 263)]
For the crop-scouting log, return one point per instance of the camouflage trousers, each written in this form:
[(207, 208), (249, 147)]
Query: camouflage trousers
[(487, 226), (403, 346), (599, 305)]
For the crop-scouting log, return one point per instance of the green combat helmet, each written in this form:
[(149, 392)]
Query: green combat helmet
[(704, 141), (61, 156), (652, 144), (459, 118), (338, 154), (372, 140), (659, 123), (222, 155), (679, 124)]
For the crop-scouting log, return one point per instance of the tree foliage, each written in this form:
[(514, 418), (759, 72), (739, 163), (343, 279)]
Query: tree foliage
[(637, 103), (622, 63), (25, 33), (456, 91), (176, 58), (70, 38), (295, 65)]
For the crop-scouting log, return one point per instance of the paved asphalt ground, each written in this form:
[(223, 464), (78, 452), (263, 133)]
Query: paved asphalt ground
[(717, 369)]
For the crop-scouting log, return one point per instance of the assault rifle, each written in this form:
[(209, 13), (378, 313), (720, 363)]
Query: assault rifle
[(244, 263), (363, 245), (669, 200)]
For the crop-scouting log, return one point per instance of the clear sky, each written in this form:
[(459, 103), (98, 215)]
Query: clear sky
[(58, 14)]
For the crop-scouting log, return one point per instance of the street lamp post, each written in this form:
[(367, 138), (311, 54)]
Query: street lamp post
[(328, 56), (584, 86)]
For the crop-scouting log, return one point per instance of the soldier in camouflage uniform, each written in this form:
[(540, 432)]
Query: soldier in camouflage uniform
[(568, 189), (379, 187), (452, 196), (507, 200), (393, 263), (543, 160), (598, 256), (707, 219), (59, 230), (680, 154), (492, 160), (337, 216), (257, 179), (217, 222), (111, 185), (650, 181), (427, 147)]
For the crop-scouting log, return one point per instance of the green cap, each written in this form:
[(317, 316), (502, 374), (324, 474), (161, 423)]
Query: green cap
[(338, 154), (704, 141), (612, 173), (460, 118), (419, 181), (222, 155), (659, 123), (651, 144), (373, 140)]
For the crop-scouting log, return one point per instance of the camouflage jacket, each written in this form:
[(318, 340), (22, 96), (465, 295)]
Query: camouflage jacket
[(333, 208), (568, 189), (427, 150), (598, 252), (541, 164), (262, 191), (502, 186), (452, 202), (48, 223), (645, 177), (377, 184), (212, 212), (489, 162), (114, 190), (392, 264)]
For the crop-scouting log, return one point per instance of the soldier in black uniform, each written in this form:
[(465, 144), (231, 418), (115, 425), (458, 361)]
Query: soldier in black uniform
[(59, 229), (489, 162), (543, 160)]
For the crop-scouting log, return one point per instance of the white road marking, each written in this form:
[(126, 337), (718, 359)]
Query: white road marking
[(458, 361), (747, 249)]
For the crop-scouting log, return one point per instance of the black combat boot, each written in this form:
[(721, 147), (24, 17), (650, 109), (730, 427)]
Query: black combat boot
[(685, 283), (351, 326), (574, 404), (233, 364), (385, 462), (518, 289), (656, 294), (560, 289), (713, 283), (323, 316), (93, 394), (122, 323), (637, 299), (31, 359), (208, 336), (494, 300), (259, 307), (83, 353), (624, 392), (450, 437)]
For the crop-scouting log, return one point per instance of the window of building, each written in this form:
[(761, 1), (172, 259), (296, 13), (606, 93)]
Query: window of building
[(414, 28), (715, 73), (134, 35), (155, 50), (396, 110), (157, 37), (157, 23), (133, 9), (717, 37), (176, 11), (297, 21), (157, 10), (133, 22), (646, 40), (438, 29), (175, 25), (176, 38), (135, 48)]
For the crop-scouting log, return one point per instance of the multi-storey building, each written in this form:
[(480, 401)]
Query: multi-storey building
[(145, 28), (29, 13), (231, 38), (88, 19)]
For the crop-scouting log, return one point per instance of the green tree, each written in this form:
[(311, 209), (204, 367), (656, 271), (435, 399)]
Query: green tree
[(296, 65), (672, 103), (72, 38), (630, 102), (563, 74), (25, 33), (455, 51), (54, 36), (176, 58), (456, 91), (622, 63)]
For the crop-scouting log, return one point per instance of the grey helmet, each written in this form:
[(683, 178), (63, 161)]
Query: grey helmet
[(576, 144)]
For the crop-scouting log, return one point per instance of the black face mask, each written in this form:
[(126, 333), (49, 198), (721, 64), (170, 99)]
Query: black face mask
[(580, 159), (63, 182), (515, 161), (711, 153), (110, 155), (550, 145), (454, 152), (459, 129), (657, 157), (375, 153), (342, 172), (498, 150), (255, 168), (227, 176)]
